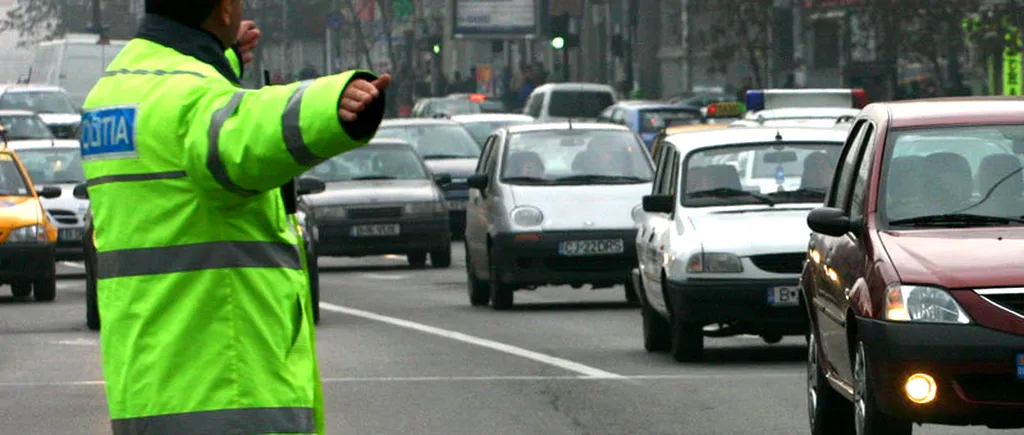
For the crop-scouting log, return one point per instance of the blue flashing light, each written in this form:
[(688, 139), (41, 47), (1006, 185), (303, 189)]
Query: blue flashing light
[(755, 100)]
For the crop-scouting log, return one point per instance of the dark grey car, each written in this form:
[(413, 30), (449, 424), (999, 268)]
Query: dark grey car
[(381, 199), (448, 148)]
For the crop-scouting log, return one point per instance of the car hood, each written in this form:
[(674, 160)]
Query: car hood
[(457, 168), (957, 258), (18, 211), (374, 191), (754, 231), (66, 200), (60, 118), (591, 207)]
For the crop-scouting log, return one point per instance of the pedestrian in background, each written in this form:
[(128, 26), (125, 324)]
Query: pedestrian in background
[(202, 283)]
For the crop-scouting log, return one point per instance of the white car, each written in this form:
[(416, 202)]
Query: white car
[(58, 163), (716, 247), (52, 103)]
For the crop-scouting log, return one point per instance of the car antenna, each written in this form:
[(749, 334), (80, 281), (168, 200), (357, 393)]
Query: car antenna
[(778, 135), (569, 119)]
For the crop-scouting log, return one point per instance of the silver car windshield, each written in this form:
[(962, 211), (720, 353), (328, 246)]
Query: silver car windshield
[(443, 141), (25, 127), (37, 101), (53, 165), (372, 162), (771, 173), (575, 157)]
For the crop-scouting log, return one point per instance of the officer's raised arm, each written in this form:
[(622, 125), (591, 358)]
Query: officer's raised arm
[(245, 142)]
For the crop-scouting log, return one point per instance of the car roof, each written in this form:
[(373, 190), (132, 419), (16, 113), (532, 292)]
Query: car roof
[(689, 141), (29, 87), (558, 126), (50, 144), (9, 112), (804, 113), (485, 117), (579, 86), (412, 122), (953, 111)]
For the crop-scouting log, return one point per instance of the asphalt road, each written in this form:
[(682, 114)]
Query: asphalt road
[(402, 352)]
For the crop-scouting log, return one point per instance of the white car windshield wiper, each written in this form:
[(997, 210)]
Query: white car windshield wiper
[(960, 219), (526, 180), (726, 192), (445, 156), (375, 177), (601, 179)]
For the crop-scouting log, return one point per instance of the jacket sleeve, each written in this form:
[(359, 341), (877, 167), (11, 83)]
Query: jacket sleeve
[(241, 143)]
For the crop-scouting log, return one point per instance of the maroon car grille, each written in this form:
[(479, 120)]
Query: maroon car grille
[(1011, 301), (780, 263), (375, 213), (991, 388)]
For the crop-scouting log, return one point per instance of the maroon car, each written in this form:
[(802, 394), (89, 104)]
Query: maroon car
[(915, 271)]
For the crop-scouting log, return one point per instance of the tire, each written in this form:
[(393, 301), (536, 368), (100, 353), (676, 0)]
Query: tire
[(442, 257), (502, 295), (314, 286), (631, 294), (828, 412), (479, 291), (872, 421), (92, 309), (657, 337), (44, 289), (417, 260), (21, 289)]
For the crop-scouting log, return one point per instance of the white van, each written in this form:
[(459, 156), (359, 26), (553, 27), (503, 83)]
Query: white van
[(576, 101), (74, 63)]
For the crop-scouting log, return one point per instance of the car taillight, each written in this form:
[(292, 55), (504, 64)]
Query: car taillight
[(860, 98)]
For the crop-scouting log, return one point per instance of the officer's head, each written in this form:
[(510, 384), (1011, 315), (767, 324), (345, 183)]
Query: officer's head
[(223, 18)]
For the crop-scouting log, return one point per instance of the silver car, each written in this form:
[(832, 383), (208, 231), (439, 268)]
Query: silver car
[(552, 204), (481, 125), (59, 165), (52, 103), (381, 199)]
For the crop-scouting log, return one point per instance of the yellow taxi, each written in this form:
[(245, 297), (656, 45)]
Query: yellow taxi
[(27, 237)]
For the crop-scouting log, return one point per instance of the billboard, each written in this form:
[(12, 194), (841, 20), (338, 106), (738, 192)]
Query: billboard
[(494, 19)]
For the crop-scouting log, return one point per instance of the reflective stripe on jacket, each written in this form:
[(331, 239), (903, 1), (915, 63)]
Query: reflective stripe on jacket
[(202, 285)]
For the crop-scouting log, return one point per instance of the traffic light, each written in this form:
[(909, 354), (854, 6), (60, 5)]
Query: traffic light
[(561, 37), (434, 45)]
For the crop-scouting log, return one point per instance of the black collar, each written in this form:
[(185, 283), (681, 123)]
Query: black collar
[(189, 41)]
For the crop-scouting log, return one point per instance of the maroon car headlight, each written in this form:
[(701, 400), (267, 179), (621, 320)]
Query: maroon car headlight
[(914, 303)]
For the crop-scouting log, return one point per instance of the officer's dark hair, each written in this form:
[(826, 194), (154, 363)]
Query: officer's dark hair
[(188, 12)]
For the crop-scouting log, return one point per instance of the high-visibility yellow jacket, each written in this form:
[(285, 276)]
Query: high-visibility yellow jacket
[(202, 285)]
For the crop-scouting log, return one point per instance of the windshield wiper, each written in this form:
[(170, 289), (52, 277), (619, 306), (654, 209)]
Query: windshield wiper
[(802, 193), (965, 219), (445, 156), (375, 177), (525, 180), (726, 192), (601, 179)]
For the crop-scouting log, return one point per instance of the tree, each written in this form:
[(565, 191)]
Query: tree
[(737, 30), (41, 20)]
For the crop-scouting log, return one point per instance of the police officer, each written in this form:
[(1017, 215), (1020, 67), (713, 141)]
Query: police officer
[(202, 285)]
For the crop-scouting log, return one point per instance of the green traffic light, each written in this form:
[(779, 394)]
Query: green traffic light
[(437, 49), (557, 43)]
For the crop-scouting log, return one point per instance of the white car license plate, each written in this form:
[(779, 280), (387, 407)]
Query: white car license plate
[(457, 205), (376, 230), (73, 234), (785, 296), (575, 248)]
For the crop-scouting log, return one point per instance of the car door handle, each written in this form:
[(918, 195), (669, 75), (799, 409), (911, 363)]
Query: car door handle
[(651, 238)]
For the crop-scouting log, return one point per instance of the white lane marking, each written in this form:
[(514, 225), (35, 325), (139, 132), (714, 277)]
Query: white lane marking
[(384, 277), (73, 264), (67, 285), (482, 342), (77, 342), (689, 377)]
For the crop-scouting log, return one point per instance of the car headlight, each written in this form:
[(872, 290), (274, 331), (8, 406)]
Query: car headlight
[(29, 234), (432, 207), (912, 303), (527, 216), (714, 262)]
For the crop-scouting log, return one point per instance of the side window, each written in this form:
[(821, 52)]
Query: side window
[(860, 183), (534, 105), (840, 188), (485, 155), (658, 170), (493, 156)]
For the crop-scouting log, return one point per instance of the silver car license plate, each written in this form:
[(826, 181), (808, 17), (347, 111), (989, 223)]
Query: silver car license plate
[(376, 230), (575, 248), (457, 205), (70, 234)]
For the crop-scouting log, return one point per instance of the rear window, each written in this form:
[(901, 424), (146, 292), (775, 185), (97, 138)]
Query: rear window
[(579, 104), (652, 121)]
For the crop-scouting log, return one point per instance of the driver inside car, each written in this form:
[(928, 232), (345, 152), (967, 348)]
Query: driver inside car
[(525, 164)]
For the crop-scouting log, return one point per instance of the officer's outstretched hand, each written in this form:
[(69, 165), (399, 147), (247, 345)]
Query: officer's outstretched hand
[(360, 93)]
